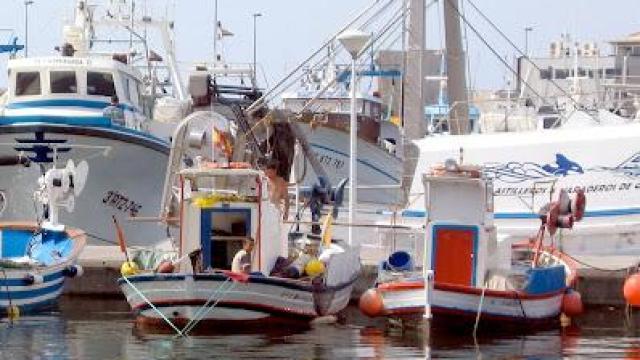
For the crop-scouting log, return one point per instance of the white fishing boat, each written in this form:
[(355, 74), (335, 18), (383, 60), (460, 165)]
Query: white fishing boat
[(36, 258), (55, 110), (221, 206), (326, 129), (525, 167), (473, 277)]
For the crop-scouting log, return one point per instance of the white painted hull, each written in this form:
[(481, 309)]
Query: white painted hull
[(180, 297), (126, 182), (376, 166), (507, 307), (605, 160)]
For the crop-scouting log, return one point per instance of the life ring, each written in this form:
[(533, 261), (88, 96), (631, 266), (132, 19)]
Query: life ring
[(231, 165), (578, 204)]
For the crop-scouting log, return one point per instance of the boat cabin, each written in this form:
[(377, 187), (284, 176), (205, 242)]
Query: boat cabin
[(221, 208), (334, 110), (73, 87)]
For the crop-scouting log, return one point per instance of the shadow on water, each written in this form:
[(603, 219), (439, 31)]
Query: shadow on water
[(105, 329)]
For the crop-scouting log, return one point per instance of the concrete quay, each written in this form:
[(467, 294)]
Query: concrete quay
[(600, 280)]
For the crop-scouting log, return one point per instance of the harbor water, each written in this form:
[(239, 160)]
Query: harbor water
[(104, 329)]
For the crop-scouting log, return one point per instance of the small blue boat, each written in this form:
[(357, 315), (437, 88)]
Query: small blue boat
[(34, 263)]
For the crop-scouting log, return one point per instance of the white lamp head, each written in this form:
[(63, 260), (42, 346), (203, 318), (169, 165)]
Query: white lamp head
[(354, 41)]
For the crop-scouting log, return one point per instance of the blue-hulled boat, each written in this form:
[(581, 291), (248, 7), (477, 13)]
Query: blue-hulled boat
[(34, 263)]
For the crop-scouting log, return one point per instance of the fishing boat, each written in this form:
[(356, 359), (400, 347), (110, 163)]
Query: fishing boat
[(470, 275), (36, 258), (55, 109), (223, 206)]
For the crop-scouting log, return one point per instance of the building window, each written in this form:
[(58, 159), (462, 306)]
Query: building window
[(28, 83), (100, 84), (545, 74), (63, 82)]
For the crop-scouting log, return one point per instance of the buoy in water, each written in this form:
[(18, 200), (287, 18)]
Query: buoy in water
[(314, 268), (166, 267), (13, 312), (129, 268), (572, 303), (631, 289), (371, 303)]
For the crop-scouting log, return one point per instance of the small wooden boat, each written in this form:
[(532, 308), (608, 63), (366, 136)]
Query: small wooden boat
[(34, 263), (35, 258), (220, 208), (470, 276)]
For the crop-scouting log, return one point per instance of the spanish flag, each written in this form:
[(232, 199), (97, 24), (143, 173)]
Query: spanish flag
[(222, 142)]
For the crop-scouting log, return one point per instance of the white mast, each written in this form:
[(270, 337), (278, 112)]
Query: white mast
[(458, 100), (413, 105)]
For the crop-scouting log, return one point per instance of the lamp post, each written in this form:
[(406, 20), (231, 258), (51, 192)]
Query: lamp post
[(527, 30), (354, 42), (26, 26), (255, 16)]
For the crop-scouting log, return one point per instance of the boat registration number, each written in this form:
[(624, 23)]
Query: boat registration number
[(121, 202)]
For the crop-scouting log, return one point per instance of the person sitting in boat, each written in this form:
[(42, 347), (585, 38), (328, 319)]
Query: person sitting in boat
[(278, 188), (114, 112), (242, 260)]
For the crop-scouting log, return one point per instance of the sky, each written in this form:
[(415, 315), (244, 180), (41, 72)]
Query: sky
[(289, 30)]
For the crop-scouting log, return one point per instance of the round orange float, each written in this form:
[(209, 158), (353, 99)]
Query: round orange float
[(371, 303), (631, 289), (572, 303)]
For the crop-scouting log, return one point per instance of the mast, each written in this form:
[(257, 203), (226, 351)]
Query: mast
[(458, 100), (413, 104)]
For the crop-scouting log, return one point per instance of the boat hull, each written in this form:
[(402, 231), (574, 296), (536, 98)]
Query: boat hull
[(376, 166), (524, 167), (462, 304), (123, 181), (31, 297), (259, 300)]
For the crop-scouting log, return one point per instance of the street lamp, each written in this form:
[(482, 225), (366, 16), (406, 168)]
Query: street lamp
[(354, 42), (255, 79), (26, 26), (527, 30)]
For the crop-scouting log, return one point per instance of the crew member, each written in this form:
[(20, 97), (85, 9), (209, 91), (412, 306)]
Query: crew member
[(114, 112), (278, 188), (242, 260)]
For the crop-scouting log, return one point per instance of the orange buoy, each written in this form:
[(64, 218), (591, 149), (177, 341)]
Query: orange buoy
[(572, 303), (631, 289), (165, 267), (371, 303)]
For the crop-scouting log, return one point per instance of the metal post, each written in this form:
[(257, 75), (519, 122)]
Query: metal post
[(527, 30), (215, 32), (26, 26), (255, 78), (353, 150)]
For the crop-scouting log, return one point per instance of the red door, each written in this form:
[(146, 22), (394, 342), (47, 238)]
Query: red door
[(453, 258)]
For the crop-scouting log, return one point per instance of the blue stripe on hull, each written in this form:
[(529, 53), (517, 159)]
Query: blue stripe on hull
[(22, 282), (525, 215), (28, 294), (84, 103), (79, 125)]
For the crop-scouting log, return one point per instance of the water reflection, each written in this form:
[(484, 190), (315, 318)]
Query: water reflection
[(84, 329)]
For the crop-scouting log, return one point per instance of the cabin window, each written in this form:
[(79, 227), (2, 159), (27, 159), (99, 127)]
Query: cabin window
[(63, 82), (28, 83), (101, 84)]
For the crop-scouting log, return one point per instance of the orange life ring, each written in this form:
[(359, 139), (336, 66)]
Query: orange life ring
[(552, 218), (231, 165)]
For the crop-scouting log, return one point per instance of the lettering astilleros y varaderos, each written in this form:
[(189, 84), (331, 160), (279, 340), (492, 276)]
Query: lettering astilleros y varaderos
[(121, 202), (546, 188)]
